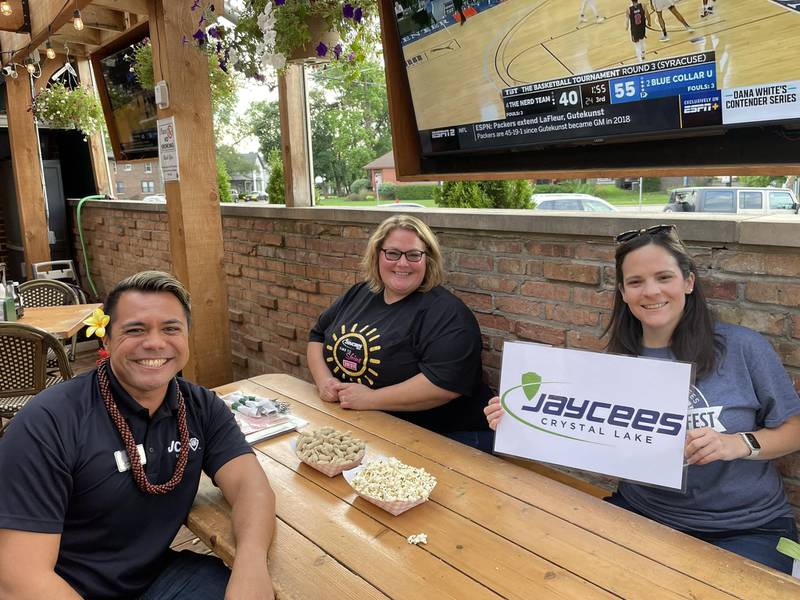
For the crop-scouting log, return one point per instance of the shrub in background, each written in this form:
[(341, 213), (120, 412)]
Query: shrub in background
[(223, 182), (421, 191), (484, 194), (359, 185), (275, 187), (386, 191)]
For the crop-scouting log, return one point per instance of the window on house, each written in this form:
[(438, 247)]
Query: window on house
[(120, 187), (148, 167), (128, 167), (148, 187)]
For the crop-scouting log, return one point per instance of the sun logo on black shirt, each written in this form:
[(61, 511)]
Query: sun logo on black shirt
[(351, 353)]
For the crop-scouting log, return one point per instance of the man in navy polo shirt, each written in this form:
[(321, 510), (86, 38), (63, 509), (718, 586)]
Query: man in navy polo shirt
[(77, 519)]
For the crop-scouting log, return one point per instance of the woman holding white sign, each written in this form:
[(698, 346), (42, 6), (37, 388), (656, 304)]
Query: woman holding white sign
[(744, 410)]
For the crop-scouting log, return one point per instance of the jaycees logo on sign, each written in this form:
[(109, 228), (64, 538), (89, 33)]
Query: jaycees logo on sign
[(616, 415), (588, 420)]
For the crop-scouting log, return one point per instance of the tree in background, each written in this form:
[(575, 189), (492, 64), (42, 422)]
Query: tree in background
[(223, 181), (484, 194), (263, 121), (349, 123), (761, 181), (275, 187)]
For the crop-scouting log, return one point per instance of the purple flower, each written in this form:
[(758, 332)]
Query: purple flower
[(200, 37), (322, 49), (212, 31), (337, 51), (195, 5), (280, 2), (351, 57), (347, 11), (357, 16)]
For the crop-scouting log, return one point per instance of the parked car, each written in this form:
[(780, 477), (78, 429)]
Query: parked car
[(733, 200), (155, 198), (581, 202), (256, 197)]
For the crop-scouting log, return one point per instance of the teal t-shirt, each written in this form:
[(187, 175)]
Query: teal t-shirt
[(748, 390)]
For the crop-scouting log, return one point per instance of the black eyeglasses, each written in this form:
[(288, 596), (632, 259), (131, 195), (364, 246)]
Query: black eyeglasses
[(411, 255), (627, 236)]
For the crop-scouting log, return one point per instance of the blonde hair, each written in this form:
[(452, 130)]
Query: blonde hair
[(434, 270)]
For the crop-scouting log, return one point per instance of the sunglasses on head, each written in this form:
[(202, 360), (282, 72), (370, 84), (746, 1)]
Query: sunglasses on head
[(627, 236)]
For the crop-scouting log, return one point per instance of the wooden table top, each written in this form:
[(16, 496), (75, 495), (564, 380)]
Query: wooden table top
[(62, 321), (494, 529)]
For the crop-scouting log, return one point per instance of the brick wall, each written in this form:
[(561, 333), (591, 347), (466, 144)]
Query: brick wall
[(132, 179), (543, 279)]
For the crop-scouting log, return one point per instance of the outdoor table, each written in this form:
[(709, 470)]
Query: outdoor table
[(495, 529), (62, 321)]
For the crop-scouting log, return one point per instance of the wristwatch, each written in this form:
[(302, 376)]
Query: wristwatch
[(752, 443)]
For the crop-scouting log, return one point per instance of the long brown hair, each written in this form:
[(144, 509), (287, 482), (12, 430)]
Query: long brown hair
[(693, 339)]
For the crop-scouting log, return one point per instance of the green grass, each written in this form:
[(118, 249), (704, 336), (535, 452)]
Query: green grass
[(610, 193)]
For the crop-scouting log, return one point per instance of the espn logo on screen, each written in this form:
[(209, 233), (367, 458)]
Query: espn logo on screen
[(701, 109)]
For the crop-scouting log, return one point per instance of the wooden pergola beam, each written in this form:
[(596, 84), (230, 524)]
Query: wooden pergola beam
[(96, 146), (295, 137), (16, 20), (26, 164), (195, 222)]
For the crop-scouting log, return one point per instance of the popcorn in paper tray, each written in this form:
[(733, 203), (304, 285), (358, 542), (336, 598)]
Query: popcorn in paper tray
[(328, 450), (390, 484)]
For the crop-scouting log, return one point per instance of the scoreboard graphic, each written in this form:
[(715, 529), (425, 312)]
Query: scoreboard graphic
[(651, 97)]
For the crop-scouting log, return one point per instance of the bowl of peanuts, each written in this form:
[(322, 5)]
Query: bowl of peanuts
[(391, 484), (329, 451)]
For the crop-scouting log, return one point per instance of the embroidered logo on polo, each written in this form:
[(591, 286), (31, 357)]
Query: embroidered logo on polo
[(175, 445), (352, 354), (700, 414)]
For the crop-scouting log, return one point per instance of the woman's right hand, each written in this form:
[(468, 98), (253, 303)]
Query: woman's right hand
[(327, 390), (493, 412)]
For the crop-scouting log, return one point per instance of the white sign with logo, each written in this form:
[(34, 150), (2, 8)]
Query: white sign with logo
[(767, 102), (168, 149), (616, 415)]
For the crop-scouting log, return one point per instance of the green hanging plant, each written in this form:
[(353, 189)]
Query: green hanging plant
[(63, 108)]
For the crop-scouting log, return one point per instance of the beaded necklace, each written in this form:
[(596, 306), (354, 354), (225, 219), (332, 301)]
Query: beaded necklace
[(139, 476)]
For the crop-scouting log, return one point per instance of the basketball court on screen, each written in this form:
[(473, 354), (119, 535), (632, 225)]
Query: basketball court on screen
[(460, 71)]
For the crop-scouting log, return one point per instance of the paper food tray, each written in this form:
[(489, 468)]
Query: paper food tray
[(331, 470), (394, 508), (271, 431)]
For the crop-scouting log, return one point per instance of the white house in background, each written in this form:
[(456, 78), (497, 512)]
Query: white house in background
[(255, 178)]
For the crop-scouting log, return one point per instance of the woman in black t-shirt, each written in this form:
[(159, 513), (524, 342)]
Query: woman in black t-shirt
[(401, 343)]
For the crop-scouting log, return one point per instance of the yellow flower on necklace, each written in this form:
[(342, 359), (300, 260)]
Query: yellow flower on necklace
[(97, 323)]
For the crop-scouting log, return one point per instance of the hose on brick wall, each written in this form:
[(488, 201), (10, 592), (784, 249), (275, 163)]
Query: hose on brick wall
[(86, 261)]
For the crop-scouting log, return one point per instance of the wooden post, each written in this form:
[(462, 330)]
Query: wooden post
[(26, 162), (195, 222), (295, 137), (96, 146)]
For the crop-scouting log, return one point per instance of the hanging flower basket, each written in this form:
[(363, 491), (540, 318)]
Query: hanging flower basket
[(320, 36), (65, 108)]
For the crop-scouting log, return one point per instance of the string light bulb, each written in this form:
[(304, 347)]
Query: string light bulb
[(30, 66), (5, 9), (51, 54), (77, 22)]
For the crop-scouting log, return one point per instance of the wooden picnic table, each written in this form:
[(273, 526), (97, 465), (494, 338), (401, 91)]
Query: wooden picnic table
[(62, 321), (495, 529)]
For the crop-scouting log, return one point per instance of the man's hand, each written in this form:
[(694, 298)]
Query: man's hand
[(706, 445), (328, 390), (355, 396), (250, 580)]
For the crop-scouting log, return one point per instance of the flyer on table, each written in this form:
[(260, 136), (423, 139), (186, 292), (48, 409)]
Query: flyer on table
[(617, 415)]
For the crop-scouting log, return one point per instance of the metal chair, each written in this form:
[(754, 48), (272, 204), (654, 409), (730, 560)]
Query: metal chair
[(49, 292), (60, 270), (23, 366)]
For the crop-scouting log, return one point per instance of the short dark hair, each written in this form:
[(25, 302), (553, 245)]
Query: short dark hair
[(694, 339), (152, 282)]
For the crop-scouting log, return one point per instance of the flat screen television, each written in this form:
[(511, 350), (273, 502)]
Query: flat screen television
[(129, 109), (533, 85)]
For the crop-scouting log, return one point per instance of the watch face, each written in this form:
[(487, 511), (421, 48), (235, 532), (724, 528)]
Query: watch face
[(753, 441)]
